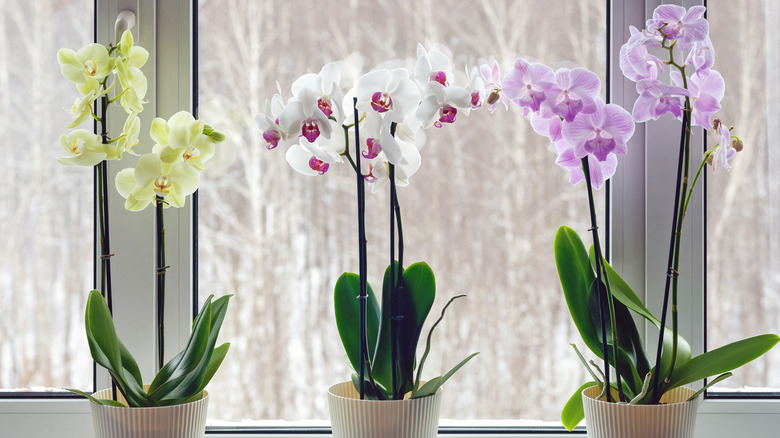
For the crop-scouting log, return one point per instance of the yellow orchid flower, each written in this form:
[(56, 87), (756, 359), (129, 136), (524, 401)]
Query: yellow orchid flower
[(85, 148)]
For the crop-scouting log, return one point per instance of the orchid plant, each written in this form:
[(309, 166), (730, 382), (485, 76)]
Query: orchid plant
[(391, 109), (163, 177), (588, 135)]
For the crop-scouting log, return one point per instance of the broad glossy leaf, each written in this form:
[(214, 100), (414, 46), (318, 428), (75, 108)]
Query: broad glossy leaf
[(576, 276), (722, 360), (632, 362), (415, 297), (101, 334), (623, 293), (190, 384), (347, 307), (573, 412), (371, 390)]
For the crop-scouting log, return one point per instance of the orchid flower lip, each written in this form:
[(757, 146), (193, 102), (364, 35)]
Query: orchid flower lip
[(272, 137), (318, 165), (381, 102)]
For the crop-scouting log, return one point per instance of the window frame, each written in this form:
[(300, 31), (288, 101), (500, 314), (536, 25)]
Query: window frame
[(167, 30)]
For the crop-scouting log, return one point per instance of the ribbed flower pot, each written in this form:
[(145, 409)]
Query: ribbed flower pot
[(355, 418), (180, 421), (674, 418)]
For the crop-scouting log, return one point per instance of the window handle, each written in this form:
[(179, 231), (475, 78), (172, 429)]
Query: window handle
[(124, 21)]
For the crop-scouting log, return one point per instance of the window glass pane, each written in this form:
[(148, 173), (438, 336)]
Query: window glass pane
[(482, 211), (743, 205), (45, 207)]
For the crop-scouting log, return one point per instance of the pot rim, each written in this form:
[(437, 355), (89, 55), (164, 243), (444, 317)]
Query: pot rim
[(684, 389), (341, 384), (119, 394)]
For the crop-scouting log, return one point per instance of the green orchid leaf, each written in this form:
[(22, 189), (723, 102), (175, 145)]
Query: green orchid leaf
[(433, 385), (217, 357), (721, 360), (632, 363), (371, 390), (190, 385), (101, 334), (573, 412), (576, 277), (416, 296), (100, 401), (718, 379), (108, 352), (347, 307), (626, 296), (171, 375)]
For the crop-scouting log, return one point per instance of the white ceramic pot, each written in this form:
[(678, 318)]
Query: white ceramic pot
[(180, 421), (674, 418), (355, 418)]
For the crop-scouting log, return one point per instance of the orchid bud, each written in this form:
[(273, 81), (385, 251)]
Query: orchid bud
[(737, 144), (493, 97)]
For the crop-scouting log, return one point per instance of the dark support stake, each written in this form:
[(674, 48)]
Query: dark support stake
[(361, 193)]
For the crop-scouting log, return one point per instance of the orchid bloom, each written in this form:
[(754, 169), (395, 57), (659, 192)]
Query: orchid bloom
[(724, 151), (175, 135), (303, 116), (477, 88), (154, 177), (312, 158), (433, 66), (600, 171), (528, 84), (636, 62), (82, 107), (656, 99), (600, 133), (442, 104), (702, 55), (377, 171), (574, 91), (130, 59), (268, 123), (86, 67), (706, 90), (491, 74), (676, 23), (547, 124), (84, 148), (131, 131), (326, 86), (385, 90)]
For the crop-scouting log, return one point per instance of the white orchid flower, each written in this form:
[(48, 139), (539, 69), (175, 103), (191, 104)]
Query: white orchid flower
[(154, 177), (385, 90), (84, 148), (442, 104), (433, 66), (303, 116), (267, 123), (327, 89), (377, 171), (312, 159)]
